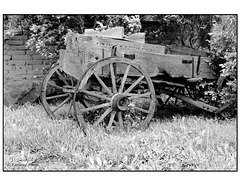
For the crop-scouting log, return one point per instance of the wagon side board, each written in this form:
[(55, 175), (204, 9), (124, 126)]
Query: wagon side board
[(82, 51), (73, 64), (115, 32)]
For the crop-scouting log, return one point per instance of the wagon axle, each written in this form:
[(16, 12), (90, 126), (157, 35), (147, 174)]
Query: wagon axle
[(68, 89)]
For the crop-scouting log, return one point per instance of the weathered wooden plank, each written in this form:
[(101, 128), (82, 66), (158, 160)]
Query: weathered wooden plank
[(137, 37), (170, 64), (76, 42), (131, 46), (205, 71), (116, 32), (152, 63), (73, 64), (181, 50), (61, 57)]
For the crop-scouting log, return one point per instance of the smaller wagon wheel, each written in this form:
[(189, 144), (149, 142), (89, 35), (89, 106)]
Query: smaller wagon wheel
[(122, 92), (57, 92)]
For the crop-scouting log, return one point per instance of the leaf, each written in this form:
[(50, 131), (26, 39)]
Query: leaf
[(63, 150), (220, 150), (91, 160), (125, 159), (135, 158), (226, 147), (99, 161), (167, 132), (198, 140), (203, 132), (194, 154)]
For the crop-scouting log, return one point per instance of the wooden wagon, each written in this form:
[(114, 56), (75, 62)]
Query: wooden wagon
[(104, 78)]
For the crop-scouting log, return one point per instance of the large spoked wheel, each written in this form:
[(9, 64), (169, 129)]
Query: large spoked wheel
[(120, 94), (57, 93)]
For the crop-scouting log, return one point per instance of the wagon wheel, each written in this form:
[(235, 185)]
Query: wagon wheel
[(122, 99), (57, 92)]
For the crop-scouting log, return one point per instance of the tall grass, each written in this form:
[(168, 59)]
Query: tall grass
[(32, 141)]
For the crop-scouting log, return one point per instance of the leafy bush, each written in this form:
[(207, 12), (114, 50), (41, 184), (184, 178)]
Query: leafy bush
[(184, 30), (131, 23), (224, 47), (13, 24), (48, 33)]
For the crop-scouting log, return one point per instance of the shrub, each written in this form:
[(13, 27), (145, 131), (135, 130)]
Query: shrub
[(224, 47), (48, 33)]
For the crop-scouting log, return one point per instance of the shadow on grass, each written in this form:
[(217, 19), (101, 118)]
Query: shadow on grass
[(170, 110)]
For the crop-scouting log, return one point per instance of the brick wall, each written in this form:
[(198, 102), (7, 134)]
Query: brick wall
[(20, 62)]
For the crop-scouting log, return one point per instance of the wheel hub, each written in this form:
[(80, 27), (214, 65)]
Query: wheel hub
[(120, 102), (68, 89)]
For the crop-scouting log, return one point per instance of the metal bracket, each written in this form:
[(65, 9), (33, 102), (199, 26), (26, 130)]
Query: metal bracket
[(114, 51), (198, 65), (130, 56)]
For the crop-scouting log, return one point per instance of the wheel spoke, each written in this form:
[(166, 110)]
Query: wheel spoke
[(142, 110), (113, 79), (57, 96), (189, 93), (103, 116), (80, 104), (136, 96), (83, 102), (124, 79), (169, 97), (71, 78), (56, 86), (134, 84), (61, 77), (111, 120), (95, 107), (65, 101), (120, 120), (69, 109), (130, 118), (103, 84), (95, 94)]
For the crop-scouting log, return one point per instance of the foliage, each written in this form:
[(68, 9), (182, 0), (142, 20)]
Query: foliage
[(13, 24), (184, 30), (224, 47), (187, 143), (48, 32), (131, 23)]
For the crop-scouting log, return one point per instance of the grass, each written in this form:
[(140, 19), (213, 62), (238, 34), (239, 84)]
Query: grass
[(32, 141)]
